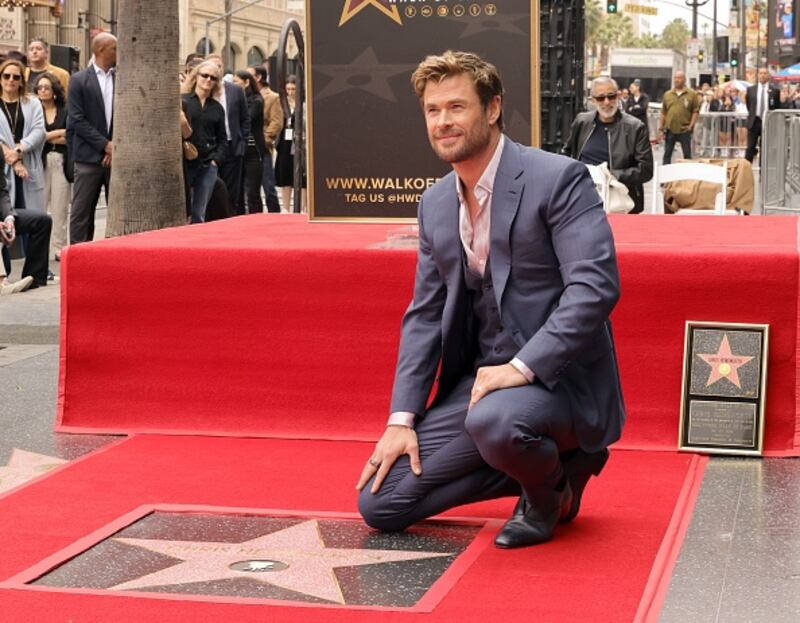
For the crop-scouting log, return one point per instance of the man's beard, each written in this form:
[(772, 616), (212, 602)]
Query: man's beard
[(473, 142)]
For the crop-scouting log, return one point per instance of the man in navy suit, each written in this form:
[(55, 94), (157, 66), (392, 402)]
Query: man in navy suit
[(237, 128), (90, 127), (516, 278)]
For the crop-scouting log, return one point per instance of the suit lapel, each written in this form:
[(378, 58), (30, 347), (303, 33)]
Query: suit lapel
[(506, 197)]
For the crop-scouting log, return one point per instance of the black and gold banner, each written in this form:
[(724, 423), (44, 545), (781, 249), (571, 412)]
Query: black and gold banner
[(368, 152)]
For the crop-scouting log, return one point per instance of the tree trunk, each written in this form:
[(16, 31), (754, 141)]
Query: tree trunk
[(147, 189)]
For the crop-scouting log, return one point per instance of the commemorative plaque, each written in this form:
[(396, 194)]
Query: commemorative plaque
[(724, 388)]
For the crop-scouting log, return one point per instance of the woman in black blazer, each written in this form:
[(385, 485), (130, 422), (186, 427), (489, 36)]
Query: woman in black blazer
[(256, 145)]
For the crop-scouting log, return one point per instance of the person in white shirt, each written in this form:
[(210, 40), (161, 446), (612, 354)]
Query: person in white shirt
[(90, 127)]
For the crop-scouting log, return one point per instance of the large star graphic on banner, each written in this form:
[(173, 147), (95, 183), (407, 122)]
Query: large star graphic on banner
[(23, 466), (294, 558), (724, 364), (365, 73), (497, 23), (351, 7)]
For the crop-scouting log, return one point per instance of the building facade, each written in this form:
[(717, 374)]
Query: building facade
[(254, 28)]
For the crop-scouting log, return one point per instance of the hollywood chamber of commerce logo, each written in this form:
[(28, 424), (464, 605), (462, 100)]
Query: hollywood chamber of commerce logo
[(391, 9)]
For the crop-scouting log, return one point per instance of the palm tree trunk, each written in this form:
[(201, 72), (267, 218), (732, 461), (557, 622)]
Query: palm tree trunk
[(147, 189)]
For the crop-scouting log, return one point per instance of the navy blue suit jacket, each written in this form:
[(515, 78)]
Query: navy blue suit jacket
[(87, 129), (555, 279), (238, 118)]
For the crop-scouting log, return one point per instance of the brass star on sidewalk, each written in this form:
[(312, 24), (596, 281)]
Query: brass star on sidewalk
[(294, 558), (24, 466), (724, 364), (351, 7)]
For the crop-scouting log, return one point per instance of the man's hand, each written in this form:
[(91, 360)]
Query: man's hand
[(106, 162), (108, 148), (490, 378), (396, 441), (8, 232)]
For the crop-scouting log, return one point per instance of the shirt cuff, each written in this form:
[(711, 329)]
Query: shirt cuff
[(402, 418), (523, 369)]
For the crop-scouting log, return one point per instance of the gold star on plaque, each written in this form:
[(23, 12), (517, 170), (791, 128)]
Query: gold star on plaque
[(352, 7), (724, 364)]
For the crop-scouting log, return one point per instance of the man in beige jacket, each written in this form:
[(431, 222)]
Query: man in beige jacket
[(273, 124)]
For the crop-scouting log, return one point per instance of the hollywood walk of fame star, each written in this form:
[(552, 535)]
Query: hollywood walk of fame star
[(375, 76), (306, 565), (724, 364), (351, 7), (23, 466)]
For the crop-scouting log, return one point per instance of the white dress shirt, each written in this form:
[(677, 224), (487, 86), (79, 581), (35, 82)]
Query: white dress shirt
[(106, 80)]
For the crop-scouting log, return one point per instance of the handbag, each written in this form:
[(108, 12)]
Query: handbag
[(189, 150), (614, 193)]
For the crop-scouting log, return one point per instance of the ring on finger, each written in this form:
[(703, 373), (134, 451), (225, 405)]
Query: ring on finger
[(374, 463)]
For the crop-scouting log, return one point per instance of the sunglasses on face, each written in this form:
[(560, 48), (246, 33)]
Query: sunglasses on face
[(208, 77), (12, 77), (602, 98)]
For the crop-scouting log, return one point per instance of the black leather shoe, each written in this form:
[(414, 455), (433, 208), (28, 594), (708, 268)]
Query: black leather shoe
[(531, 525), (579, 469)]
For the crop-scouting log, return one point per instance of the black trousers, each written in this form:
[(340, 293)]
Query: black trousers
[(753, 136), (685, 139), (37, 227), (509, 442), (253, 172), (89, 178), (231, 171)]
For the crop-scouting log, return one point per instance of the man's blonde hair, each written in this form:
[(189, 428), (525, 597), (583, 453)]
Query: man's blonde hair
[(484, 75)]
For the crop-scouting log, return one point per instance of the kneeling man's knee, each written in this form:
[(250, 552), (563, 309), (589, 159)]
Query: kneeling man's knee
[(377, 512)]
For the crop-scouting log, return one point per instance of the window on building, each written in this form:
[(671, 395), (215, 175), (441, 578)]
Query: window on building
[(255, 56), (201, 46)]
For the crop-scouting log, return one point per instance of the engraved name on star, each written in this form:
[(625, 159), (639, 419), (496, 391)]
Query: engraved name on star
[(309, 565), (724, 364), (23, 466), (352, 7)]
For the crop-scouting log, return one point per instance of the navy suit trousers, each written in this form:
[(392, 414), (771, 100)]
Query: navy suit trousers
[(508, 443)]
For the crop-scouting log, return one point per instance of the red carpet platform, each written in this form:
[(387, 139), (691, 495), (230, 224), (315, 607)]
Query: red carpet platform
[(268, 325), (611, 564)]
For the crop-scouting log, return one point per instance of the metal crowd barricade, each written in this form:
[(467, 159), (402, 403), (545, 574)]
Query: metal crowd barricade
[(716, 135), (780, 162)]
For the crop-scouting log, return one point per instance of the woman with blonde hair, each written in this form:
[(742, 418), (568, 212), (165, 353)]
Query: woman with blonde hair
[(206, 118), (23, 135)]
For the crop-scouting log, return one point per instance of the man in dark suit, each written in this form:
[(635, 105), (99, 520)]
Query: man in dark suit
[(90, 127), (37, 225), (516, 277), (760, 99), (231, 169)]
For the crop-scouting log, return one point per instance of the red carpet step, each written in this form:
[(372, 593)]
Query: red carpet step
[(268, 325)]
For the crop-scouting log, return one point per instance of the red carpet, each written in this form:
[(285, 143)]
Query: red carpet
[(597, 569), (270, 326)]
